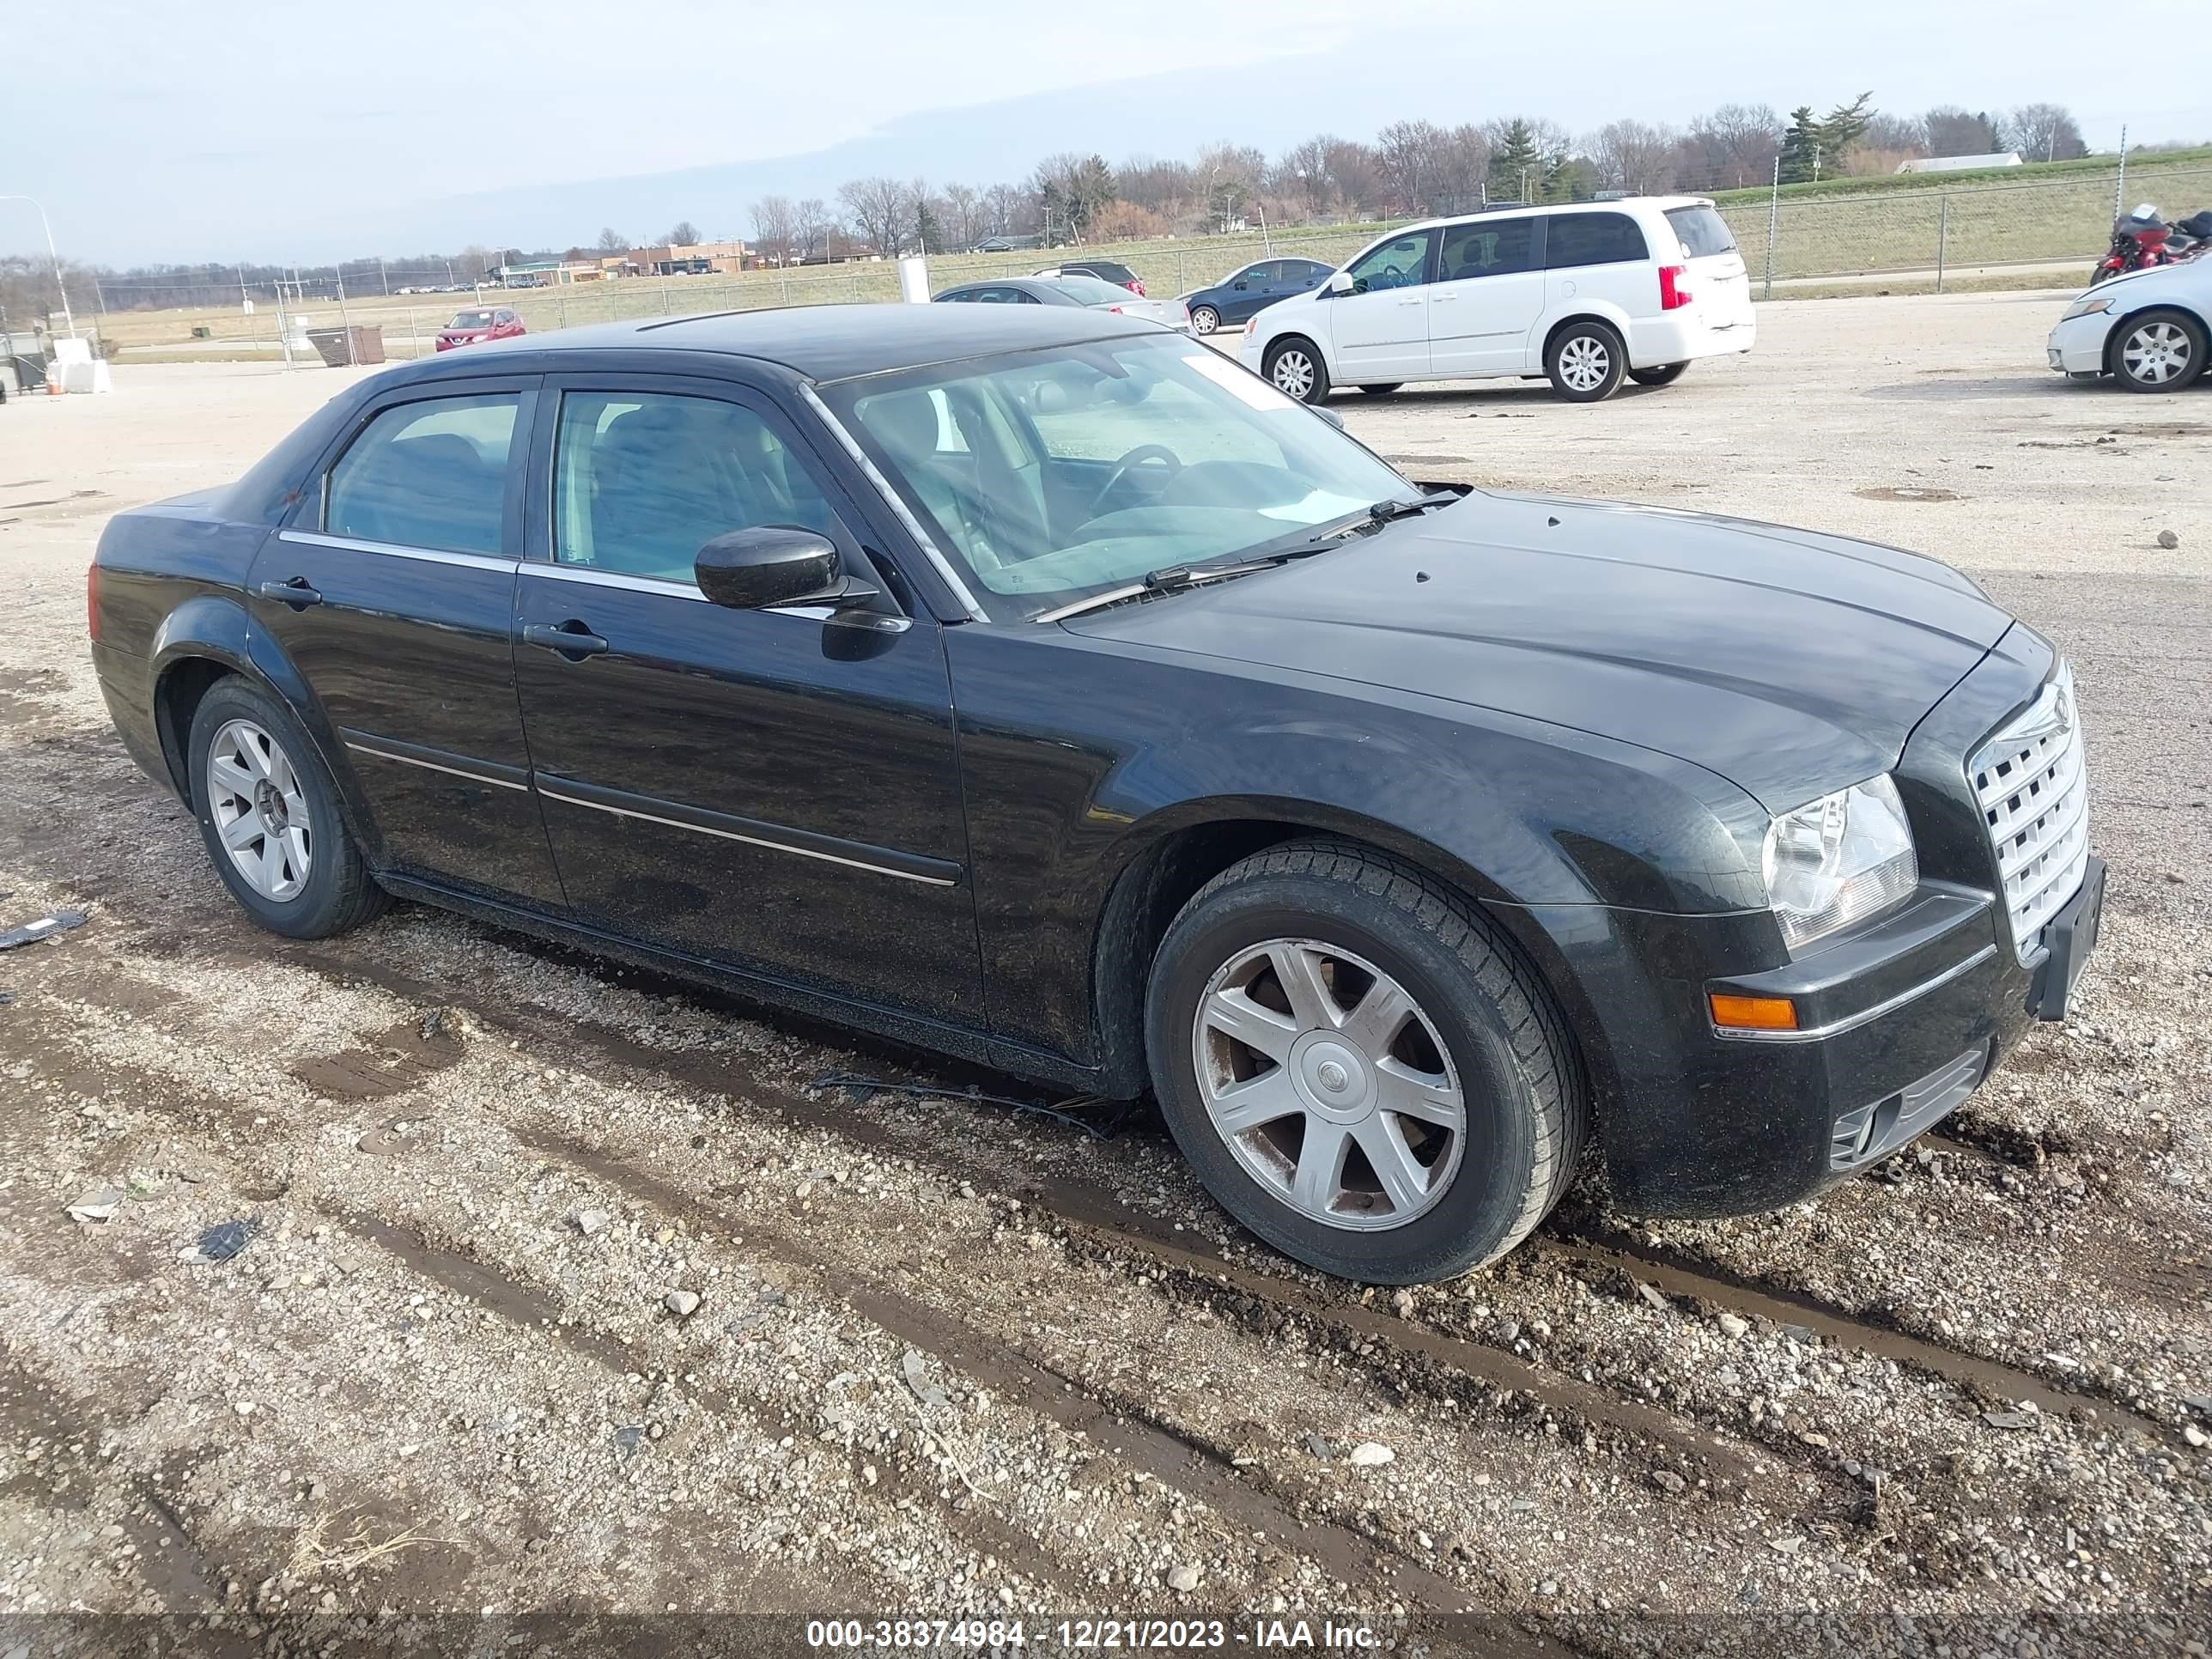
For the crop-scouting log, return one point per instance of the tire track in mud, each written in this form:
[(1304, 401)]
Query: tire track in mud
[(1134, 1437), (1088, 1209)]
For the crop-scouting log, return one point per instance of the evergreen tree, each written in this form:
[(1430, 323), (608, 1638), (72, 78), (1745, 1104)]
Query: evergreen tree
[(1515, 164), (1841, 127), (1801, 154)]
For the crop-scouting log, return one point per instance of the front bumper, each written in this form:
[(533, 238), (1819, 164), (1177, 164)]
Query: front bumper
[(2077, 346), (1898, 1023)]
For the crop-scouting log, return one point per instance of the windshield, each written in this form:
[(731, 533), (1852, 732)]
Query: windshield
[(470, 319), (1090, 290), (1051, 476)]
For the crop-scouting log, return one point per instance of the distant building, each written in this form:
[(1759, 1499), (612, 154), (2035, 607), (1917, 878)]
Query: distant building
[(698, 259), (2003, 158), (546, 273)]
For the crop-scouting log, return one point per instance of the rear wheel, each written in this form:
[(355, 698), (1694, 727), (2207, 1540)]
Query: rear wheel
[(1204, 319), (1383, 389), (1358, 1067), (1585, 362), (269, 814), (2158, 350), (1664, 374), (1294, 367)]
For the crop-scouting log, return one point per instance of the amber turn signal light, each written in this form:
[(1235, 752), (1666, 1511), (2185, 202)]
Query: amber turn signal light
[(1753, 1013)]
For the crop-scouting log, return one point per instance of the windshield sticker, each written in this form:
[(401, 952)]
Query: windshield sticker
[(1250, 388)]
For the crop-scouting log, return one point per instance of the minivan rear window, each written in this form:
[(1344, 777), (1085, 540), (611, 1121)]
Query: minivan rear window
[(1703, 231)]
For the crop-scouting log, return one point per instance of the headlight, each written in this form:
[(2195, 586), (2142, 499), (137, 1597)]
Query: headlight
[(2086, 309), (1838, 859)]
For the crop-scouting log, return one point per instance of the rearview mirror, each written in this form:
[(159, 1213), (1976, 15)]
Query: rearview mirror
[(769, 565), (1339, 283)]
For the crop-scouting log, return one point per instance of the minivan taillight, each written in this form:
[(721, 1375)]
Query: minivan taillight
[(1673, 296), (92, 601)]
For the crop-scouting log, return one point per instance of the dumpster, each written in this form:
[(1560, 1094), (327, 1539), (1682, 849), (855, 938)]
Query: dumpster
[(340, 346)]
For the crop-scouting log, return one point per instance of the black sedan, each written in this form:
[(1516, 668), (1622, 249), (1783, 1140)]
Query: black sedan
[(1041, 688), (1243, 294)]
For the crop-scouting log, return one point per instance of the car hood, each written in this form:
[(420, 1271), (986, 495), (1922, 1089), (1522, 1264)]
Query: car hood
[(1788, 662)]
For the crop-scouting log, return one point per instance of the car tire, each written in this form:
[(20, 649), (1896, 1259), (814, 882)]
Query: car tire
[(1294, 367), (1381, 388), (268, 811), (1479, 1035), (2157, 351), (1664, 374), (1585, 362), (1204, 319)]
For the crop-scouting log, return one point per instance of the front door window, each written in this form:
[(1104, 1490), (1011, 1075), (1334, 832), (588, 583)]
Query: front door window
[(1400, 263)]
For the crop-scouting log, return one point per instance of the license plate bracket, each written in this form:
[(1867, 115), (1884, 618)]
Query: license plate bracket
[(2073, 940)]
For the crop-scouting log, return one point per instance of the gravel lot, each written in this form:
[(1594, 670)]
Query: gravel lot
[(570, 1318)]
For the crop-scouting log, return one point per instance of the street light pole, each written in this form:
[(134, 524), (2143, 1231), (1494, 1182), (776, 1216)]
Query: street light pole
[(67, 316)]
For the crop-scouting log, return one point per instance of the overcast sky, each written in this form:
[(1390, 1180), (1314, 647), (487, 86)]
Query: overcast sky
[(265, 128)]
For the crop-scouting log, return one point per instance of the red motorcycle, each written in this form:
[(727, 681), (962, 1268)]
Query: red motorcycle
[(2142, 240)]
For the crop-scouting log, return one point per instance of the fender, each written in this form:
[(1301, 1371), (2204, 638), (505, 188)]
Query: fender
[(217, 627), (1580, 308)]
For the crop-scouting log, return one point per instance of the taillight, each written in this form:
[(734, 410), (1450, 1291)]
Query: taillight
[(1116, 310), (92, 601), (1136, 288), (1673, 296)]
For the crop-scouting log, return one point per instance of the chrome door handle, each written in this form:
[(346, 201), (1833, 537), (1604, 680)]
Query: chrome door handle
[(294, 593), (571, 638)]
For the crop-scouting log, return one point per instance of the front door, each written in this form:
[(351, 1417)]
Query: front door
[(772, 790), (1381, 329), (391, 590), (1489, 296)]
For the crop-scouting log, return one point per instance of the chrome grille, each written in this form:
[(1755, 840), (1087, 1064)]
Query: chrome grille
[(2034, 795)]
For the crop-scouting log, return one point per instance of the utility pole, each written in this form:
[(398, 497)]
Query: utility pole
[(384, 275), (1773, 223), (60, 281), (2120, 188)]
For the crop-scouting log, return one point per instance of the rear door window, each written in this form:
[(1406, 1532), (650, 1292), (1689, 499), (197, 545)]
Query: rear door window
[(1489, 247), (1703, 231), (430, 475), (1593, 239)]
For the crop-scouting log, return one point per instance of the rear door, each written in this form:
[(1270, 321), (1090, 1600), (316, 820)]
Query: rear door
[(1489, 296), (1379, 329), (1599, 258), (1719, 284), (391, 589)]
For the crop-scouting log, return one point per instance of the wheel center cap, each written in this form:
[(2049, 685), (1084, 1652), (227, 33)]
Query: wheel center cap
[(1331, 1077), (269, 805)]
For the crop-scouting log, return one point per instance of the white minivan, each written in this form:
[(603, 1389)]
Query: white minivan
[(1585, 294)]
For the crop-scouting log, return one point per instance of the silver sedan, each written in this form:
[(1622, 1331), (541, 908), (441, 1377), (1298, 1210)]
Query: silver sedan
[(1069, 290)]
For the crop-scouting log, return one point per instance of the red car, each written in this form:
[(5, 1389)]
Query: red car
[(493, 323)]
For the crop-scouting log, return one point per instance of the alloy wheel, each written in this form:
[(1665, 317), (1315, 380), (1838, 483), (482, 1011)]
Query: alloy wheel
[(1294, 372), (259, 811), (1328, 1083), (1584, 362), (1205, 320), (2156, 353)]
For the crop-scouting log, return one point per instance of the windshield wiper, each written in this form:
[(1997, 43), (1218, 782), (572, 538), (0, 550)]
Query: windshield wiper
[(1176, 578)]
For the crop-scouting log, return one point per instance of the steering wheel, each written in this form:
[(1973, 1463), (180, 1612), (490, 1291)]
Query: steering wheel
[(1142, 454)]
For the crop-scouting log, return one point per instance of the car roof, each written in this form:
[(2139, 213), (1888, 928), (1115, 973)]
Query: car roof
[(1622, 205), (833, 342)]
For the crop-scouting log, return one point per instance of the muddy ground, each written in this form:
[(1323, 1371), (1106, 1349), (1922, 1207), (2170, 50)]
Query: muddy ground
[(945, 1359)]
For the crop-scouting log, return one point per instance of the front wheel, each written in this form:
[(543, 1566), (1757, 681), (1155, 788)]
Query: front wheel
[(269, 813), (1358, 1067), (1585, 362), (1294, 367), (1664, 374), (1204, 319), (2158, 351)]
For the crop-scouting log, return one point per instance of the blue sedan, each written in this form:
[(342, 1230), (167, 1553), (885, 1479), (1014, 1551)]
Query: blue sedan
[(1236, 297)]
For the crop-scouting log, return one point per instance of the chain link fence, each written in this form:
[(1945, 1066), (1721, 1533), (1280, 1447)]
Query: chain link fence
[(1925, 233)]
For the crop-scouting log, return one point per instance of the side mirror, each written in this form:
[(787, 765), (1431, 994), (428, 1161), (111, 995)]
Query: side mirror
[(770, 565), (1339, 282), (1330, 416)]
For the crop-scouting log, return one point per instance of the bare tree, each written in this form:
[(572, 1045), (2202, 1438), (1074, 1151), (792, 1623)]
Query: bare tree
[(964, 215), (612, 241), (1224, 178), (1462, 166), (1300, 178), (683, 234), (879, 211), (1733, 146), (775, 229), (810, 224), (2045, 133), (1008, 210), (1408, 153), (1633, 155)]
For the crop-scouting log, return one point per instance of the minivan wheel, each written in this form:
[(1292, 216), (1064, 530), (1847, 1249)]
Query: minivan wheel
[(2158, 351), (1359, 1068), (1295, 368), (1664, 374), (269, 814), (1204, 319), (1585, 362)]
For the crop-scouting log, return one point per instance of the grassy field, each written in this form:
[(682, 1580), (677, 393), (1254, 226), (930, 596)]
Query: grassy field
[(1910, 223)]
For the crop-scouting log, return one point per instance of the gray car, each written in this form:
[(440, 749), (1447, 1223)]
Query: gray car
[(1070, 290)]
